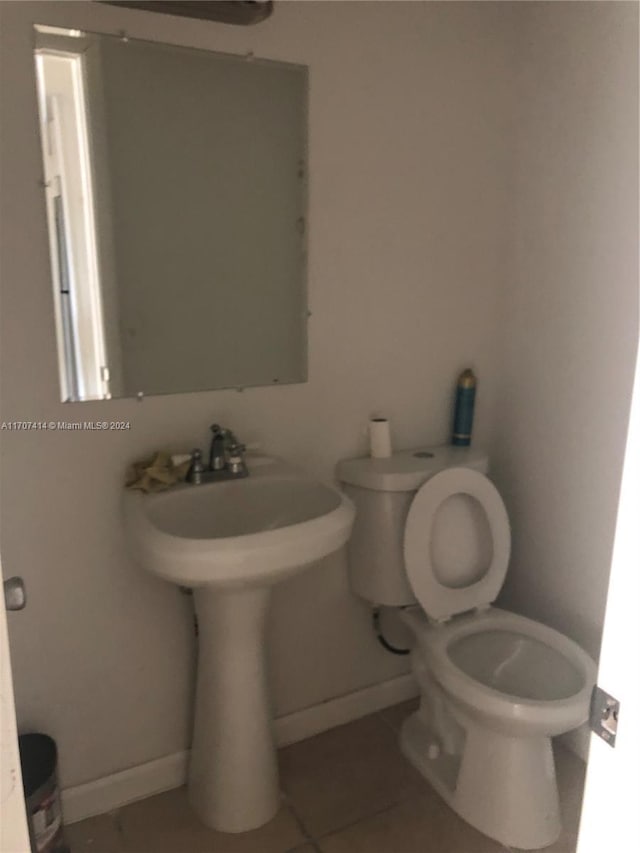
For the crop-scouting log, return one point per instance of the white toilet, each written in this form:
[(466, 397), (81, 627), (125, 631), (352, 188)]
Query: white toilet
[(432, 536)]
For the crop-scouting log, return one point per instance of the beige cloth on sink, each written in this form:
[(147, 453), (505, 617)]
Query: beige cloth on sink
[(156, 473)]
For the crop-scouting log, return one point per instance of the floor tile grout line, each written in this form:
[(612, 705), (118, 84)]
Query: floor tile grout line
[(387, 723), (368, 816), (324, 835), (288, 802), (116, 817)]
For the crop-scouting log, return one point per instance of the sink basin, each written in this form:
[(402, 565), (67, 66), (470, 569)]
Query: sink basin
[(232, 541), (255, 530)]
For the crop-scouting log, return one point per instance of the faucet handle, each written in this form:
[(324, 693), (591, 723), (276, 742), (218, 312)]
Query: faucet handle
[(196, 469), (235, 459)]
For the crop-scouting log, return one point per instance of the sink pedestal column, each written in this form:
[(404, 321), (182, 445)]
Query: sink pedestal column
[(233, 774)]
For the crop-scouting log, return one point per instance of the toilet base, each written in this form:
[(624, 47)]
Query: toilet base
[(504, 786)]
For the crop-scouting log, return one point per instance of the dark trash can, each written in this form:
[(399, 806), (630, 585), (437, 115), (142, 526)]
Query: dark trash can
[(39, 762)]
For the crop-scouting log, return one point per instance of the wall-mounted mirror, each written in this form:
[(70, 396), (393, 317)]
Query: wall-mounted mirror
[(175, 185)]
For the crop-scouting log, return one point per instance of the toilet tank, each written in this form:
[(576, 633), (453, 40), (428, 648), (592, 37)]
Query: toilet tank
[(382, 491)]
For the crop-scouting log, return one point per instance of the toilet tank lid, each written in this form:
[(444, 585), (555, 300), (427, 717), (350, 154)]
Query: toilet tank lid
[(407, 470)]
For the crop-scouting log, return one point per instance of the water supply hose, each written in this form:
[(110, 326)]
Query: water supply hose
[(381, 638)]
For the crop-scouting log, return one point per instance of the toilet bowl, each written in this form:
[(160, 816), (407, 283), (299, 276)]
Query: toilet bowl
[(495, 686), (518, 675), (507, 684)]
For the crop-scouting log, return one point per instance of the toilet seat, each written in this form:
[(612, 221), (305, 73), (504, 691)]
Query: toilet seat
[(439, 600)]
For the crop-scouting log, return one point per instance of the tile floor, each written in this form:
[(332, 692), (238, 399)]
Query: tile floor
[(348, 790)]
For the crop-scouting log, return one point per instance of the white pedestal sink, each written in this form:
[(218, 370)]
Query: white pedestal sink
[(231, 541)]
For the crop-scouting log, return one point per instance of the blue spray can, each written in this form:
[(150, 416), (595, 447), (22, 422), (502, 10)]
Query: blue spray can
[(463, 415)]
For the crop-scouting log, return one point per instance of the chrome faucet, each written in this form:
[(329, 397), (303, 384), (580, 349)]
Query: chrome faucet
[(217, 451), (226, 459)]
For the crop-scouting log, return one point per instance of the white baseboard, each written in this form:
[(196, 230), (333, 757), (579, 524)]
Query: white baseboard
[(118, 789), (163, 774), (335, 712)]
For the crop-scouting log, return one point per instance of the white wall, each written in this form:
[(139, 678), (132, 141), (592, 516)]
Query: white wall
[(573, 308), (410, 142)]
